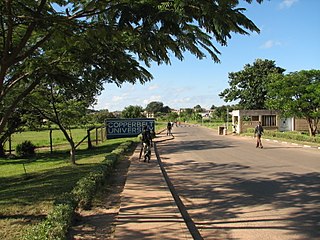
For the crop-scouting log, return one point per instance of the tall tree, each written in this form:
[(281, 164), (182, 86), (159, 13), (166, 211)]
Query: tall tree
[(222, 112), (100, 117), (132, 112), (198, 109), (154, 107), (213, 107), (172, 117), (100, 40), (62, 106), (297, 95), (249, 85), (186, 114)]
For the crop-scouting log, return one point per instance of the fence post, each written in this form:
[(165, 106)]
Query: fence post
[(10, 147), (97, 138), (51, 147), (89, 139)]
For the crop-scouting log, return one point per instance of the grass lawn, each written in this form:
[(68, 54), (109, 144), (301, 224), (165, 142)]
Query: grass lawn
[(26, 199), (42, 138)]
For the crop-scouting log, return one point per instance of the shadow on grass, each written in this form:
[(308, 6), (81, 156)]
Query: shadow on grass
[(62, 155), (47, 184), (40, 186)]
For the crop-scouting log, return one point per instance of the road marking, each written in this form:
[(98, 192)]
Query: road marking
[(183, 210)]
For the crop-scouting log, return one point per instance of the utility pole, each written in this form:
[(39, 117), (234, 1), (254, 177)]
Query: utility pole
[(227, 118)]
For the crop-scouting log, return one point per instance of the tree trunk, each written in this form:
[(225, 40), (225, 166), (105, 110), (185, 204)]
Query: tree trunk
[(2, 152), (72, 153), (72, 144), (3, 138), (312, 127)]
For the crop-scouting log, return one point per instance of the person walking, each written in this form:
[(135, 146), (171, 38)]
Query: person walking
[(258, 131), (169, 127)]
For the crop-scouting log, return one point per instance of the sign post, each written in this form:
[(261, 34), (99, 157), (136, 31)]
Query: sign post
[(127, 127)]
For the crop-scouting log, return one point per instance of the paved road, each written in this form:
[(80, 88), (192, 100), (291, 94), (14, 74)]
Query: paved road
[(232, 190)]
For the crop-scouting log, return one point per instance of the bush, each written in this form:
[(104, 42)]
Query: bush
[(56, 225), (84, 192), (25, 149)]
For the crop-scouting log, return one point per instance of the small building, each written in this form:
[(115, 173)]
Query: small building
[(293, 124), (270, 120), (206, 114), (244, 119), (148, 114)]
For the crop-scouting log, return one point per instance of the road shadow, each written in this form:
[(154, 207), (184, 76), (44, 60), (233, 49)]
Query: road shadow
[(222, 190), (194, 145)]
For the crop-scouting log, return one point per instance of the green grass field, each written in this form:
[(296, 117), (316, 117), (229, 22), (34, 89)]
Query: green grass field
[(42, 138), (28, 187)]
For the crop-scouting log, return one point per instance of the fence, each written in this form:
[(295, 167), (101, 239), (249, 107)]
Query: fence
[(93, 137), (96, 135)]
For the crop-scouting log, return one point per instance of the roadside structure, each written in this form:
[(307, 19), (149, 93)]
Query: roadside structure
[(270, 119)]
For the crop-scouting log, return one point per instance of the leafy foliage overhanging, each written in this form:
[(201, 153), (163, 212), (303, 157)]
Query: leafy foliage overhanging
[(81, 45)]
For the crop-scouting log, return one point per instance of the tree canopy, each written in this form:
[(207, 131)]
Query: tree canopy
[(157, 107), (249, 85), (154, 107), (297, 95), (132, 112), (97, 42)]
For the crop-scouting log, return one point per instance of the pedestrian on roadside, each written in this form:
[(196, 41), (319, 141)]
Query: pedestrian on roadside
[(258, 131), (169, 127)]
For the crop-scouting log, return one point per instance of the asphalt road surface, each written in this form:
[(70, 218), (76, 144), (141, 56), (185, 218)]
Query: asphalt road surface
[(232, 190)]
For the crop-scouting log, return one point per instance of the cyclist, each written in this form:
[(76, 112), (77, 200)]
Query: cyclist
[(146, 143)]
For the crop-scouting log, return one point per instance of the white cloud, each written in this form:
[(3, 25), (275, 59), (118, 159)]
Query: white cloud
[(182, 101), (153, 87), (117, 98), (270, 44), (287, 3), (154, 98)]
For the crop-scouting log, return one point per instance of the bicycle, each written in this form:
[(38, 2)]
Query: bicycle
[(146, 152)]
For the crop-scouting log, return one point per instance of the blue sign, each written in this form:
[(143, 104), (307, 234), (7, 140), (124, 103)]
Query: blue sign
[(132, 127)]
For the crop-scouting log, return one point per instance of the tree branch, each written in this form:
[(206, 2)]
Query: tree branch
[(7, 112)]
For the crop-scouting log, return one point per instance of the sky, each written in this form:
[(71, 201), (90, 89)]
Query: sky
[(289, 35)]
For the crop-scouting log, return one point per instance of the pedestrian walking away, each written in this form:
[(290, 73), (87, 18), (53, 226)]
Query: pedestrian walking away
[(169, 127), (258, 131)]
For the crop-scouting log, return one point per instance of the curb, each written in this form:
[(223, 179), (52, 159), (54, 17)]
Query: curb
[(285, 142), (184, 213), (295, 144)]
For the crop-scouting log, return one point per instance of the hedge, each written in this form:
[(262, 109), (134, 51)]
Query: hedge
[(58, 221)]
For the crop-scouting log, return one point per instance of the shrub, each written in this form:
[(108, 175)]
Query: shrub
[(25, 149), (110, 160), (56, 225), (84, 192)]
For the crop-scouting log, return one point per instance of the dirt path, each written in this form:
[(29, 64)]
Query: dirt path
[(98, 223)]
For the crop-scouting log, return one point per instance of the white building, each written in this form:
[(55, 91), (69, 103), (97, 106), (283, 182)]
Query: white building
[(270, 120)]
